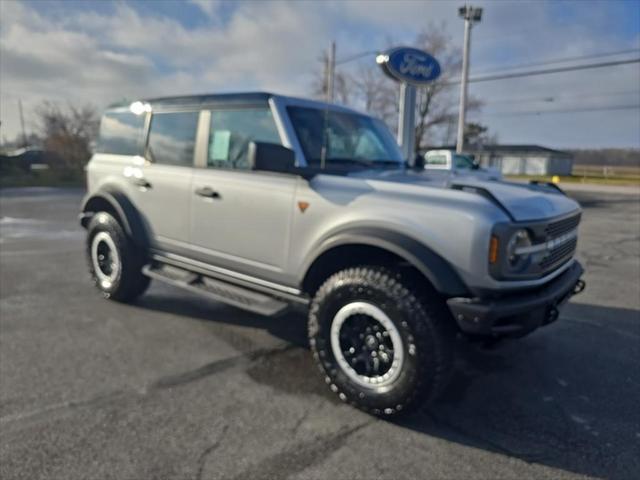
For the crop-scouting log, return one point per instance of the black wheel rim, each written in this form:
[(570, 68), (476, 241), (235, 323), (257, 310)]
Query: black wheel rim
[(366, 345), (105, 258)]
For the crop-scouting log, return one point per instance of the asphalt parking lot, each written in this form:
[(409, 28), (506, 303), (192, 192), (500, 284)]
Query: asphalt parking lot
[(177, 386)]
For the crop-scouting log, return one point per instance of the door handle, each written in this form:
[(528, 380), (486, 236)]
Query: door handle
[(207, 192), (141, 182)]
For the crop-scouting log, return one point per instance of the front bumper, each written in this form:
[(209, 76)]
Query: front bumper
[(519, 313)]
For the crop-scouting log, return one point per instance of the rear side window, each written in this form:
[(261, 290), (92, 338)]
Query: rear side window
[(172, 138), (121, 133), (231, 132)]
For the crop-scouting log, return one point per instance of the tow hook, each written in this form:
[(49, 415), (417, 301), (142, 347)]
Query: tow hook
[(579, 287), (552, 315)]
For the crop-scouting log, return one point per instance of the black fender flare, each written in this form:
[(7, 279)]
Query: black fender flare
[(128, 215), (436, 269)]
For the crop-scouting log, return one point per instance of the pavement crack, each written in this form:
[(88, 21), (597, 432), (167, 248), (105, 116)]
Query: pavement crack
[(169, 381), (68, 405), (302, 419), (208, 451), (217, 366), (302, 456)]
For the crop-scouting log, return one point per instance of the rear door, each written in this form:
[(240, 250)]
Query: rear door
[(240, 218), (163, 178)]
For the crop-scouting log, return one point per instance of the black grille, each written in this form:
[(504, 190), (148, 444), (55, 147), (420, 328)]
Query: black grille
[(561, 227), (562, 252), (558, 255)]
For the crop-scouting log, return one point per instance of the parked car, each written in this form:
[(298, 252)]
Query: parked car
[(457, 164), (266, 202)]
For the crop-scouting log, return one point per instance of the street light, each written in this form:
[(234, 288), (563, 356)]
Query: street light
[(474, 14), (470, 15), (381, 58)]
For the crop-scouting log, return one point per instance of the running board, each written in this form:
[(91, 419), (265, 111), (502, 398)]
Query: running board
[(216, 289)]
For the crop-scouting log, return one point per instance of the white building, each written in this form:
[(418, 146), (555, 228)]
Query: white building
[(523, 159), (526, 159)]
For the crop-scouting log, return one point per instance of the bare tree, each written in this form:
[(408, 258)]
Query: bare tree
[(68, 132), (377, 94), (342, 83), (477, 136), (436, 105)]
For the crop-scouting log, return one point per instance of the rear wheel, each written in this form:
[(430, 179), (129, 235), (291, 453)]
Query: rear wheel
[(383, 347), (115, 263)]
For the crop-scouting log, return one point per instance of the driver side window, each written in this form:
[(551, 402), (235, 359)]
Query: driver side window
[(231, 131)]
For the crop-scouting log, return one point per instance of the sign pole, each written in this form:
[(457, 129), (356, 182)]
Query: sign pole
[(411, 67), (407, 121)]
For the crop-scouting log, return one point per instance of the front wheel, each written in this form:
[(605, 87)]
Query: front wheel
[(383, 347), (115, 263)]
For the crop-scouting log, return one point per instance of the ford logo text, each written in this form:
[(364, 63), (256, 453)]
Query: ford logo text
[(409, 65)]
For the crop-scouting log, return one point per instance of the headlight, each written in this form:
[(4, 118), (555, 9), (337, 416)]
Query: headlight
[(517, 250)]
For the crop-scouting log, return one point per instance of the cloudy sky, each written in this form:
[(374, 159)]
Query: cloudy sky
[(102, 51)]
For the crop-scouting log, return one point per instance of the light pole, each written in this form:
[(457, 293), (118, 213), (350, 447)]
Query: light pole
[(24, 133), (470, 15)]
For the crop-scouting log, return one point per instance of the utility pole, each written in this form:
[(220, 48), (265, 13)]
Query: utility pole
[(331, 72), (330, 62), (24, 134), (470, 15)]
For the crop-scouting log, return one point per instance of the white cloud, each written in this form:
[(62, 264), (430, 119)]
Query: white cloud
[(210, 7), (86, 56)]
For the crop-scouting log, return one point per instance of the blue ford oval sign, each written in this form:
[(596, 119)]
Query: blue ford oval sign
[(409, 65)]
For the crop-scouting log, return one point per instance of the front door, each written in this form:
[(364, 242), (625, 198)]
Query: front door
[(240, 218)]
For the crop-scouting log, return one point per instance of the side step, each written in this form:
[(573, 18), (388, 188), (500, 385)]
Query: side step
[(217, 289)]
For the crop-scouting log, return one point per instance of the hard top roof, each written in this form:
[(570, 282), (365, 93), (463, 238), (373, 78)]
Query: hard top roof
[(236, 98)]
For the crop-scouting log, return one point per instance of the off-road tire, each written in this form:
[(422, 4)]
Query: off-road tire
[(419, 315), (129, 282)]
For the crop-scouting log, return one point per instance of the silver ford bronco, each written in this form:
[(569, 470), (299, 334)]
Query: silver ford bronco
[(265, 202)]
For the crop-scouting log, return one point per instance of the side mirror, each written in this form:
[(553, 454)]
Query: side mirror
[(270, 157), (419, 161)]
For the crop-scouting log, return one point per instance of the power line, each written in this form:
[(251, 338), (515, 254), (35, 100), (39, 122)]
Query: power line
[(560, 60), (356, 56), (547, 71), (567, 110), (556, 98)]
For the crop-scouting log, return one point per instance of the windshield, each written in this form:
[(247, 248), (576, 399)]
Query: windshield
[(332, 137), (463, 162)]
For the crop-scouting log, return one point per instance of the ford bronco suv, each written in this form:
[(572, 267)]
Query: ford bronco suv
[(264, 202)]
